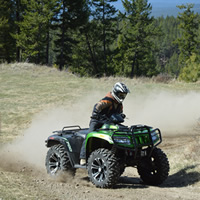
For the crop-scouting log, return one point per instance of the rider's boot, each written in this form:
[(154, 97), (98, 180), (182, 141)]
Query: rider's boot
[(83, 161)]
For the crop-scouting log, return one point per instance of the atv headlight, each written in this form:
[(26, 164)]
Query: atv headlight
[(154, 137), (122, 140)]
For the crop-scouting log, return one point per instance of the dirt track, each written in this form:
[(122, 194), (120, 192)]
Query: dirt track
[(23, 182)]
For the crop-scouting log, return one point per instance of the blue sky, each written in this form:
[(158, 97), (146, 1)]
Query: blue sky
[(174, 1), (159, 3), (162, 3)]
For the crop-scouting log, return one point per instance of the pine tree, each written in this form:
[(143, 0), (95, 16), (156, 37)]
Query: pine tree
[(33, 37), (7, 28), (18, 10), (104, 14), (167, 55), (72, 15), (189, 25), (3, 29), (136, 44), (87, 54)]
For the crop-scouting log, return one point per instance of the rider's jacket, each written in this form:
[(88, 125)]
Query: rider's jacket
[(107, 106)]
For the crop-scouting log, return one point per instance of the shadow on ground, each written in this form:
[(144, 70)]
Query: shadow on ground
[(182, 178), (129, 182)]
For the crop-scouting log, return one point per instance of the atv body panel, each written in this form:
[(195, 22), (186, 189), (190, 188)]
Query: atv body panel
[(132, 138)]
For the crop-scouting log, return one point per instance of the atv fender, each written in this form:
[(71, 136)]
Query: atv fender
[(96, 140), (100, 136), (53, 140)]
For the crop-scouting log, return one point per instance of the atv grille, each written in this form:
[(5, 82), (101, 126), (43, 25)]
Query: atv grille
[(142, 139), (145, 136), (139, 136)]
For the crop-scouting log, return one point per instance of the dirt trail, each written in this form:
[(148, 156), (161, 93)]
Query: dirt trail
[(27, 182), (23, 175)]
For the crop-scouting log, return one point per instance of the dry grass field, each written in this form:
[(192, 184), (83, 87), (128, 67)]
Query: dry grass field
[(36, 100)]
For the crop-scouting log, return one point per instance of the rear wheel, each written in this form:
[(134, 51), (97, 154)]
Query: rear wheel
[(103, 168), (155, 169), (57, 160)]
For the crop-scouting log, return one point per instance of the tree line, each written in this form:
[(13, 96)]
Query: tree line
[(93, 38)]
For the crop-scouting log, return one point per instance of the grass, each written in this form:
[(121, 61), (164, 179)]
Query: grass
[(185, 165), (27, 89)]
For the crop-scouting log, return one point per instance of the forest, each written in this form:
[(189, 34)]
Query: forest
[(92, 38)]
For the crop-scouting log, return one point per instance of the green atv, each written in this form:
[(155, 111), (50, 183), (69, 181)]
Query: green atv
[(109, 150)]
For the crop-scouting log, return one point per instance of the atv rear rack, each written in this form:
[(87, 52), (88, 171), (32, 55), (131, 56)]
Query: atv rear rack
[(68, 130)]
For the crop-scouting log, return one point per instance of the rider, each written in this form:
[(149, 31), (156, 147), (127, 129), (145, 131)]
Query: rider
[(110, 104)]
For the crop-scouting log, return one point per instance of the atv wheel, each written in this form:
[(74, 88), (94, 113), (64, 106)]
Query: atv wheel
[(103, 168), (57, 160), (155, 169)]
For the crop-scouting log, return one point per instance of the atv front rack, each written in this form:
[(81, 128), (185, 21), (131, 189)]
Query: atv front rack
[(141, 136)]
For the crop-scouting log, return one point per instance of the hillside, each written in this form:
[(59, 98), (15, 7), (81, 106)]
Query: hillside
[(36, 100)]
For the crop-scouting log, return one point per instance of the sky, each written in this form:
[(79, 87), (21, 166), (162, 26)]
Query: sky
[(158, 6), (161, 3)]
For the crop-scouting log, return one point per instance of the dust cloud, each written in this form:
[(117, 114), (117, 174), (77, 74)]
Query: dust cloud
[(173, 113), (30, 147)]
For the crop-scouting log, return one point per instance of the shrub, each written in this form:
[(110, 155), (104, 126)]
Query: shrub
[(191, 72)]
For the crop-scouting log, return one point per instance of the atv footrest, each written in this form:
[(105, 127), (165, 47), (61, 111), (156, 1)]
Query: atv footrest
[(80, 166)]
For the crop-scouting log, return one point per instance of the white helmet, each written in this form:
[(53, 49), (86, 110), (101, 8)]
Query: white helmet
[(120, 91)]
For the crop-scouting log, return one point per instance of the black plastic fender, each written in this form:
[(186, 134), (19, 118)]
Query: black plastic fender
[(55, 139)]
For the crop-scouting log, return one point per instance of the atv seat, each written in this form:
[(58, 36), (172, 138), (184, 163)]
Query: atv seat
[(82, 133)]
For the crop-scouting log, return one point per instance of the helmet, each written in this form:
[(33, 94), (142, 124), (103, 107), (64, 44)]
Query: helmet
[(120, 91)]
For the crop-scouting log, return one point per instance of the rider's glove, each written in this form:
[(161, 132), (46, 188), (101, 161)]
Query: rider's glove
[(123, 116)]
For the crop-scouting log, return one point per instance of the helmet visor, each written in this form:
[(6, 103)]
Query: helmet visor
[(121, 95)]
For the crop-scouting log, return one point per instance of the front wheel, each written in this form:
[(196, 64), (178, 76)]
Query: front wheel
[(57, 160), (103, 168), (154, 170)]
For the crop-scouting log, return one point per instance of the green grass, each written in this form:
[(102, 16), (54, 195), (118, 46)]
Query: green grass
[(27, 89)]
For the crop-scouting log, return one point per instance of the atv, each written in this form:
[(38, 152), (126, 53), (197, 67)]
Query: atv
[(109, 150)]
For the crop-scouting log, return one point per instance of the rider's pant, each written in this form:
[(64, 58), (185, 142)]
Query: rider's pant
[(94, 124)]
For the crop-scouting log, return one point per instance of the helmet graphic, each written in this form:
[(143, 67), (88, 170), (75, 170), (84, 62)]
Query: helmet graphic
[(120, 91)]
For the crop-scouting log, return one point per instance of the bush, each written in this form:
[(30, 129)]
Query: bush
[(191, 72)]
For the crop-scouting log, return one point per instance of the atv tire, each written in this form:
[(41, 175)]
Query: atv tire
[(57, 161), (103, 168), (155, 169)]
